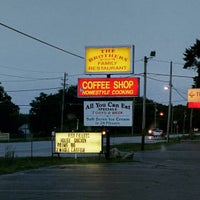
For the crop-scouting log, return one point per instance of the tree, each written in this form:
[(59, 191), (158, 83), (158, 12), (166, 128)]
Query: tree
[(9, 113), (192, 60), (73, 109), (45, 113), (181, 115)]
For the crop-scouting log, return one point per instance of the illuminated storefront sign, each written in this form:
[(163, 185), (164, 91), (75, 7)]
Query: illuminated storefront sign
[(110, 60), (80, 142), (108, 113), (108, 87), (194, 98)]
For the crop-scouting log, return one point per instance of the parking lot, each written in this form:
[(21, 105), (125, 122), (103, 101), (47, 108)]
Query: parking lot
[(169, 173)]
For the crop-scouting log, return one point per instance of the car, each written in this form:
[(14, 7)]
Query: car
[(156, 132)]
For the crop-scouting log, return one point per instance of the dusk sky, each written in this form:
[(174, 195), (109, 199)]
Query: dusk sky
[(28, 67)]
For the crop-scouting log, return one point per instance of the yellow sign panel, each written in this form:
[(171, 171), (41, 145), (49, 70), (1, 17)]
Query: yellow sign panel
[(101, 60), (80, 142), (194, 95)]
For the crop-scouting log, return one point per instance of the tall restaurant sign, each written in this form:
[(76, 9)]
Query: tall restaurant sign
[(109, 60), (108, 87)]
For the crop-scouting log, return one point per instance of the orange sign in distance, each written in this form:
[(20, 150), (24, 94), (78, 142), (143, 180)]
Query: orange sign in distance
[(194, 98)]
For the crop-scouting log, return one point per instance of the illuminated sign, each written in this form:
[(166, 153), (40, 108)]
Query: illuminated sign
[(193, 104), (109, 60), (80, 142), (108, 113), (108, 87), (194, 98)]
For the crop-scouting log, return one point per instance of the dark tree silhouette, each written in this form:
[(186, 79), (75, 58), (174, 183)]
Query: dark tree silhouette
[(192, 60), (9, 113)]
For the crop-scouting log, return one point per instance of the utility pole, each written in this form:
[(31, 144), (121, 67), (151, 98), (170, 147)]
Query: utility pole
[(144, 104), (170, 102), (152, 54), (155, 113), (63, 102)]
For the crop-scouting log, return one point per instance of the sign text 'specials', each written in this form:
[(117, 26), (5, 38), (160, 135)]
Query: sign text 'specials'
[(108, 113)]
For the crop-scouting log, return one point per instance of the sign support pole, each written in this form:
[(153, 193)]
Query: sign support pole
[(108, 137), (107, 144)]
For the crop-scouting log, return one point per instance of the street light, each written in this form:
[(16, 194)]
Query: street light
[(152, 54), (166, 87)]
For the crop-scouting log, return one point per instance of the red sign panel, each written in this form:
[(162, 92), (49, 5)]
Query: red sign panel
[(193, 104), (108, 87)]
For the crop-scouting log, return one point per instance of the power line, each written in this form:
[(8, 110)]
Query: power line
[(31, 80), (41, 41), (174, 75), (27, 78), (16, 76), (165, 61), (161, 61), (179, 93), (27, 70), (31, 90), (157, 80)]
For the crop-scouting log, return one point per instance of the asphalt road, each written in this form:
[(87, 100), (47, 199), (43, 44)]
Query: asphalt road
[(169, 174)]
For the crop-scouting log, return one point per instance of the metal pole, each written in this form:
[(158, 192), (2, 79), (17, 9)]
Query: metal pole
[(155, 113), (144, 104), (107, 144), (108, 136), (63, 103), (184, 116), (170, 102), (191, 120), (133, 109), (31, 145)]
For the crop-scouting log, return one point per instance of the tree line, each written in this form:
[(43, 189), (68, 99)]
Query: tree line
[(45, 115)]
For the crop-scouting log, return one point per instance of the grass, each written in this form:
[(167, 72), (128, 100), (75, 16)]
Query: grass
[(137, 147), (12, 164)]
